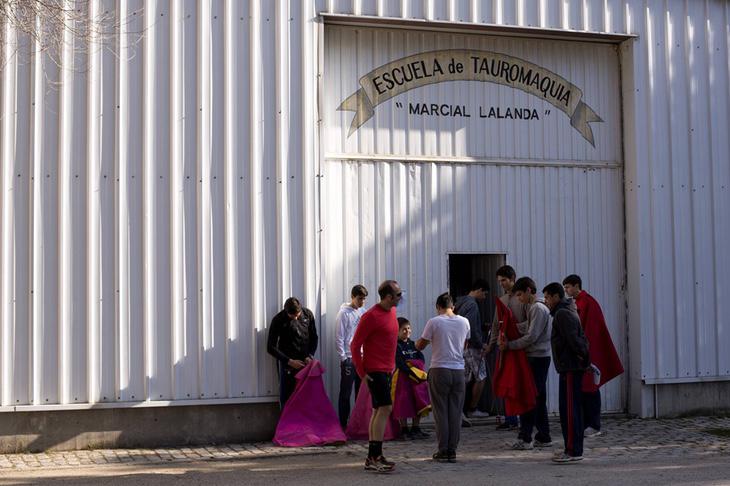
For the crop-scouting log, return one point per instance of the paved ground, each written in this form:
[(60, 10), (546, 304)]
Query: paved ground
[(681, 451)]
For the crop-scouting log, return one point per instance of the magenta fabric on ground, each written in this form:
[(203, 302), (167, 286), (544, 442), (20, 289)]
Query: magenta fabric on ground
[(410, 397), (308, 418), (359, 423)]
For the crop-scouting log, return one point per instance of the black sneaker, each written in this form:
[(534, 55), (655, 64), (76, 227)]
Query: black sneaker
[(543, 443), (418, 433), (406, 434), (379, 464), (441, 456), (504, 426), (451, 455)]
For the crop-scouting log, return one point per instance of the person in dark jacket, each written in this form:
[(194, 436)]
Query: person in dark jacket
[(570, 356), (474, 364), (292, 341)]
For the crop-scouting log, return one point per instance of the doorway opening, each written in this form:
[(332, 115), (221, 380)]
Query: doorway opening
[(464, 269)]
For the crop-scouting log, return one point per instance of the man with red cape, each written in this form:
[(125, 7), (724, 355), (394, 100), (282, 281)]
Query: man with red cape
[(513, 380), (603, 352)]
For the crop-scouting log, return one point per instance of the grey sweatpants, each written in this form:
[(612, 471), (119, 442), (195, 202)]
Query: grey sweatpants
[(448, 389)]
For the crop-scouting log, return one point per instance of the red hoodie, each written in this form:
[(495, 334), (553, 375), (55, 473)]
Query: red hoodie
[(376, 337)]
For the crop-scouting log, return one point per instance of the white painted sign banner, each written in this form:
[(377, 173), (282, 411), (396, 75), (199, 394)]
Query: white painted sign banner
[(407, 73)]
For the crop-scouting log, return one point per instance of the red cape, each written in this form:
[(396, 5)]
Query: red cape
[(602, 351), (513, 380)]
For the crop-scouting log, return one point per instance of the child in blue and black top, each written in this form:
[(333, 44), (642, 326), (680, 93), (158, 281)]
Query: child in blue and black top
[(411, 399)]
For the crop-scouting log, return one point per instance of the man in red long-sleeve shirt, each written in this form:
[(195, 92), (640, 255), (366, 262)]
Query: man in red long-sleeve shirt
[(373, 354)]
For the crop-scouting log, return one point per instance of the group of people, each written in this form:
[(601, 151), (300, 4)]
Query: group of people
[(566, 325)]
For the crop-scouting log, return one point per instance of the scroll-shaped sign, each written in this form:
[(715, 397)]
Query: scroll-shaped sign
[(407, 73)]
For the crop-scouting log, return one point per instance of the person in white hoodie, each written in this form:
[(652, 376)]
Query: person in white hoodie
[(345, 324)]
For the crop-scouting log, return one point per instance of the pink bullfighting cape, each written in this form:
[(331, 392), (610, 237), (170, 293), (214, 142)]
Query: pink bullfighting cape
[(308, 418)]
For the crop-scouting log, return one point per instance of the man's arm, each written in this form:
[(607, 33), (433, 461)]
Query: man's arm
[(340, 335), (470, 310), (361, 333), (272, 344), (569, 327), (426, 337), (313, 337), (536, 325)]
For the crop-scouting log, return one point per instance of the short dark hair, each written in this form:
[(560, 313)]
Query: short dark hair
[(524, 284), (402, 321), (574, 280), (359, 291), (506, 271), (445, 301), (554, 288), (292, 306), (387, 288), (480, 284)]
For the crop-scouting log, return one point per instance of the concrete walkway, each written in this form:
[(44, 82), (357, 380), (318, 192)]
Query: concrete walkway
[(677, 451)]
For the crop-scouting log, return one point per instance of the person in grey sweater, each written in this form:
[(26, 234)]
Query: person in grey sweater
[(535, 341)]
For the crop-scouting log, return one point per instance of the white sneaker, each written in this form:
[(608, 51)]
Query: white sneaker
[(478, 414), (521, 445), (591, 432), (564, 458), (465, 422)]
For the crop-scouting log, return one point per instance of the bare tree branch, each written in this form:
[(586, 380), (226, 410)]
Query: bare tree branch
[(51, 26)]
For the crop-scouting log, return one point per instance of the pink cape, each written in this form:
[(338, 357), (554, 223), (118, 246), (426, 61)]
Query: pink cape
[(359, 423), (308, 418), (411, 398)]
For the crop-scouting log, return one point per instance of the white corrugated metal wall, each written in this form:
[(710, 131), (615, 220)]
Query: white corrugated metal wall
[(158, 204), (404, 191), (219, 90)]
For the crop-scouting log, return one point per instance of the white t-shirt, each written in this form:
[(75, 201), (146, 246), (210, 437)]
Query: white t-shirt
[(447, 336)]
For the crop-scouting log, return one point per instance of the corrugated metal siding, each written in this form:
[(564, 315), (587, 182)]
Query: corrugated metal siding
[(677, 183), (83, 291), (157, 204)]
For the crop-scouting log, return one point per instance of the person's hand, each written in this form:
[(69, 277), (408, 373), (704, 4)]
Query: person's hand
[(307, 360), (367, 378), (487, 349), (296, 364), (502, 344)]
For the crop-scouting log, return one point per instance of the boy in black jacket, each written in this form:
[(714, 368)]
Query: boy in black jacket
[(570, 355), (292, 341)]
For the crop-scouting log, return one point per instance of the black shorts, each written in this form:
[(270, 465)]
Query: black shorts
[(380, 388)]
